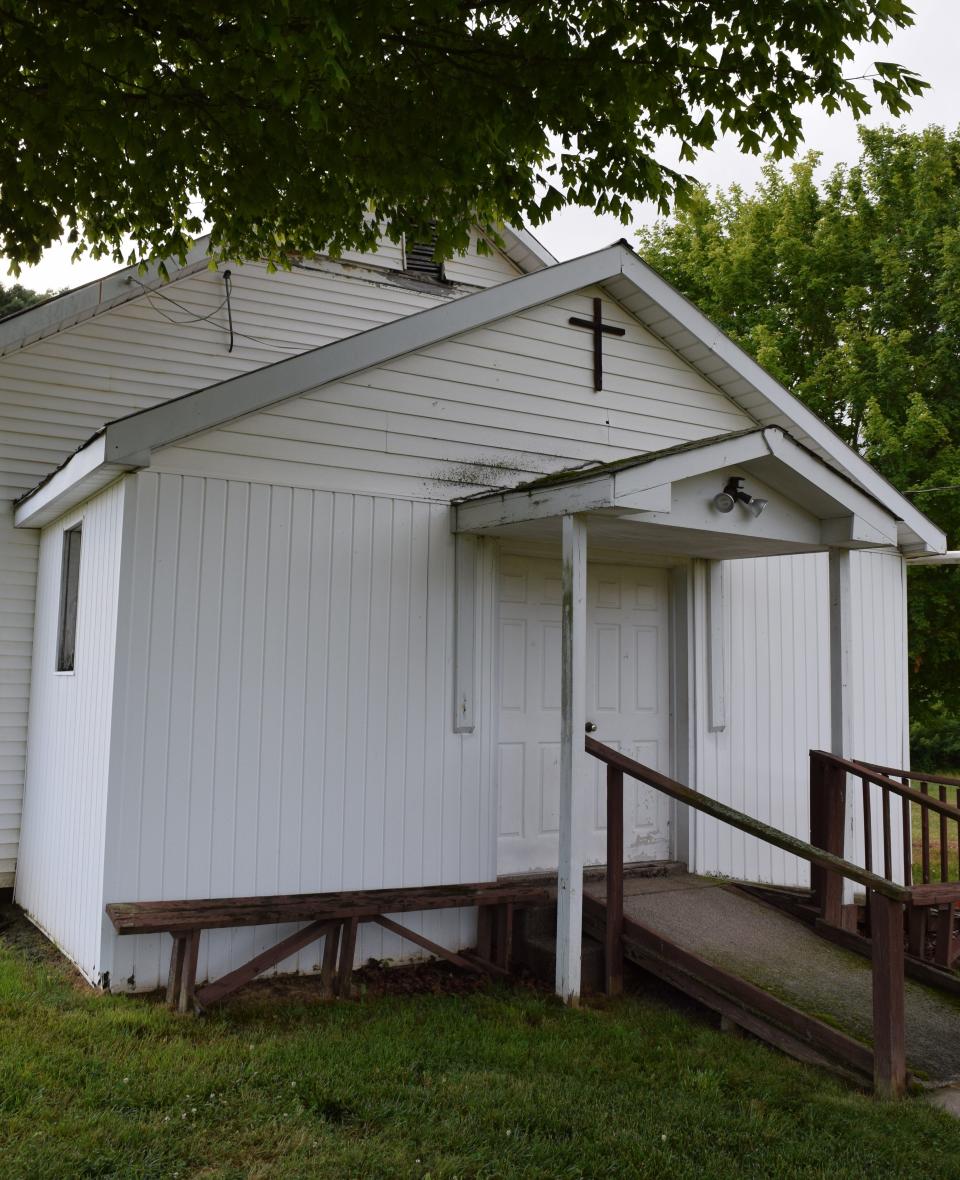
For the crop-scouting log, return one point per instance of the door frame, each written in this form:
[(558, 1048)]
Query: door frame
[(680, 675)]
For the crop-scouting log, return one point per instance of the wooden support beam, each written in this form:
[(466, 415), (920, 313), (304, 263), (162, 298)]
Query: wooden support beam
[(348, 946), (228, 983), (434, 948), (828, 788), (328, 968), (504, 936), (485, 932), (177, 955), (188, 977), (613, 959), (574, 770), (889, 1040)]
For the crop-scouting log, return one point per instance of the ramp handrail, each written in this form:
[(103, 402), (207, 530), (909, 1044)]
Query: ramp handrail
[(829, 775), (889, 1049)]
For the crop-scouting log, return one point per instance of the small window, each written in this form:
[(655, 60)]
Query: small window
[(69, 585)]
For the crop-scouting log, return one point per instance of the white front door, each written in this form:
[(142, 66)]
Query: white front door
[(627, 696)]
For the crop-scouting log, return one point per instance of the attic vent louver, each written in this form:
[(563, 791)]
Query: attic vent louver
[(420, 259)]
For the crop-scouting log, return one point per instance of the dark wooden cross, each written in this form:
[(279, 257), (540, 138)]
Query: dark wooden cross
[(598, 327)]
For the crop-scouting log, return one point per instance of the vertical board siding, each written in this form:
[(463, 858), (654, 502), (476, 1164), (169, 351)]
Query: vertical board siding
[(777, 707), (778, 703), (56, 391), (60, 880), (879, 697), (285, 719)]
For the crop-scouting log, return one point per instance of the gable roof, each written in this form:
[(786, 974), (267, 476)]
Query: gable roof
[(639, 487), (60, 311), (127, 442)]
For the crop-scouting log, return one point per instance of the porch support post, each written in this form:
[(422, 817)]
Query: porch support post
[(841, 690), (574, 768), (841, 673)]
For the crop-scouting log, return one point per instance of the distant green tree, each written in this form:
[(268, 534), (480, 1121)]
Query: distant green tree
[(849, 293), (15, 298)]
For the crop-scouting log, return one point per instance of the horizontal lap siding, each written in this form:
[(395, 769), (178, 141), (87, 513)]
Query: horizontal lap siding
[(484, 409), (18, 573), (56, 392), (60, 879), (480, 270), (286, 710)]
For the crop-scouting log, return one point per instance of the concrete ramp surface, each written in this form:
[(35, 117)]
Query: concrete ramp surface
[(784, 957)]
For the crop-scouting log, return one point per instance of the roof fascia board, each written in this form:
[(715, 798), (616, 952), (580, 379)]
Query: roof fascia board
[(215, 405), (83, 474), (61, 311), (525, 250), (695, 461), (512, 507), (683, 311)]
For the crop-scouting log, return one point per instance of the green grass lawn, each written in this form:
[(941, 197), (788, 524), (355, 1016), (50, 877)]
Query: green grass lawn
[(498, 1083), (952, 846)]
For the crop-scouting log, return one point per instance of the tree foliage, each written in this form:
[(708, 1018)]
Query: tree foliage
[(849, 293), (287, 123), (16, 298)]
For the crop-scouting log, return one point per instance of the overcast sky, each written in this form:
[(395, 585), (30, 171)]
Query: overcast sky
[(930, 48)]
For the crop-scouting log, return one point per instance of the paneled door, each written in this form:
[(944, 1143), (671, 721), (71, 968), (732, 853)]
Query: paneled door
[(627, 696)]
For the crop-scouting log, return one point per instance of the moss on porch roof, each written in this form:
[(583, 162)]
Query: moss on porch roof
[(572, 474)]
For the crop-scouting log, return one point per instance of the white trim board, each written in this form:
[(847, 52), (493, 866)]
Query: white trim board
[(624, 275)]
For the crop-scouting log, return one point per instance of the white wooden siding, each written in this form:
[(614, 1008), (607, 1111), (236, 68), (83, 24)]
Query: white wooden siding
[(481, 410), (286, 710), (18, 572), (777, 689), (56, 392), (60, 880), (480, 270)]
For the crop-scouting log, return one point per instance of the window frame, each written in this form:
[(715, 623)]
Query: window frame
[(70, 557)]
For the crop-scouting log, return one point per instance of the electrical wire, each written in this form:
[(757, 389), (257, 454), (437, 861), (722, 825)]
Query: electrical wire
[(290, 348), (947, 487)]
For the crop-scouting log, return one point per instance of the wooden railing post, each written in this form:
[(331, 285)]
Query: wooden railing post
[(613, 977), (828, 791), (889, 1045)]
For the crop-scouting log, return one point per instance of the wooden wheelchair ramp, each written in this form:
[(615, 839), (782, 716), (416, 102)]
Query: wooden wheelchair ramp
[(766, 972)]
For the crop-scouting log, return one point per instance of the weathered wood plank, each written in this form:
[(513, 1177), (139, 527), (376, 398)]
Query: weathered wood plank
[(434, 948), (177, 954), (348, 945), (228, 983), (328, 969), (613, 957), (153, 917), (188, 978), (889, 1024)]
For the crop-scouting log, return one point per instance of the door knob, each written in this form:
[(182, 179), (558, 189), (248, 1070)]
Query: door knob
[(591, 727)]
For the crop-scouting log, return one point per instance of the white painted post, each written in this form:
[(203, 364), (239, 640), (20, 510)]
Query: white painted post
[(841, 655), (841, 691), (574, 763)]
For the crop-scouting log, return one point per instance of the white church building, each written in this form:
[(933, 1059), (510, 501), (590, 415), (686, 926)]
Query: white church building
[(281, 586)]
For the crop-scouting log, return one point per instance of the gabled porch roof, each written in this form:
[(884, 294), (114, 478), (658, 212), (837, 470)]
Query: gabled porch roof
[(663, 502)]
